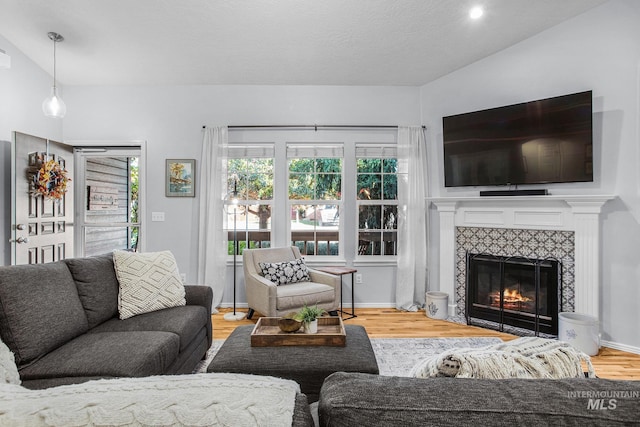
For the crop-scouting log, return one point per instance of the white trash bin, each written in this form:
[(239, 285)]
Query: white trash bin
[(581, 331), (437, 305)]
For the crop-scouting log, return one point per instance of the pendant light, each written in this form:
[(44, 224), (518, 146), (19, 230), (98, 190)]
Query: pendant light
[(54, 106)]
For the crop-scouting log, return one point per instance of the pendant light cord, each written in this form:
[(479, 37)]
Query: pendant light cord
[(54, 62), (55, 37)]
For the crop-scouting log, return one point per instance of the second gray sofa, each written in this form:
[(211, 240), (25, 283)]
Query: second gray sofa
[(354, 400)]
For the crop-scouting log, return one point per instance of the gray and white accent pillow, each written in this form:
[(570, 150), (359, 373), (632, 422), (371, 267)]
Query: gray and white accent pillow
[(148, 282), (285, 272)]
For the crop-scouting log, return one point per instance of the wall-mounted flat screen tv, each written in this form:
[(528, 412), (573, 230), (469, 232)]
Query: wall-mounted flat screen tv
[(544, 141)]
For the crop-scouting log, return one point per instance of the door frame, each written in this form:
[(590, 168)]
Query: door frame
[(142, 187), (12, 201)]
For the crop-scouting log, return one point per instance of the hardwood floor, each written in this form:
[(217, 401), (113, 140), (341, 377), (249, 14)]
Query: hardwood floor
[(391, 323)]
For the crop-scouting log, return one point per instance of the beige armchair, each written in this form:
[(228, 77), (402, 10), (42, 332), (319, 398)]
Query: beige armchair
[(271, 300)]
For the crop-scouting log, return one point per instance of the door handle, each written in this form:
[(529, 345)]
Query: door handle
[(20, 240)]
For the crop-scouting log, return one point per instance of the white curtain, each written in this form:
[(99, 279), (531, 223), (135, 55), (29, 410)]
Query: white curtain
[(411, 275), (212, 244)]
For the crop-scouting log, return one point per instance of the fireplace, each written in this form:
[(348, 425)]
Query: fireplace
[(516, 291), (564, 227)]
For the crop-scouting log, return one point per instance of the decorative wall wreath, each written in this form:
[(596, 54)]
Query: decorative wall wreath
[(51, 180)]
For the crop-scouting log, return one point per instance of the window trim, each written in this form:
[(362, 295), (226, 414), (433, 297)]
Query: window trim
[(250, 151), (349, 138), (318, 151)]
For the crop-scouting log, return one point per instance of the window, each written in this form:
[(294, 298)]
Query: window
[(315, 193), (309, 192), (377, 199), (250, 177)]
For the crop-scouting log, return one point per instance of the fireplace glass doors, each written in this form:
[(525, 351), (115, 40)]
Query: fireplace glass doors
[(514, 291)]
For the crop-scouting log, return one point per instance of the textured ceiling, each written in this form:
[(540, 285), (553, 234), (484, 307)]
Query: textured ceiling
[(290, 42)]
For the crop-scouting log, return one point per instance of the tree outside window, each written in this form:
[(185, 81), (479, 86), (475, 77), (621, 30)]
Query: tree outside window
[(377, 201), (252, 180), (312, 201), (315, 189)]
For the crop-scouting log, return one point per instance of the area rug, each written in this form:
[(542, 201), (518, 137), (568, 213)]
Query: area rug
[(395, 356)]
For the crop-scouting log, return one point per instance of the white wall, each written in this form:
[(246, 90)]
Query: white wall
[(23, 87), (170, 119), (599, 51)]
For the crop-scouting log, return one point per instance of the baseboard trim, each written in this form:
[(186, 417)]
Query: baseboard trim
[(370, 305), (242, 305), (621, 347)]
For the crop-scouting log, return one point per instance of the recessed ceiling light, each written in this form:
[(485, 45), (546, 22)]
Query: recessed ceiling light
[(476, 12)]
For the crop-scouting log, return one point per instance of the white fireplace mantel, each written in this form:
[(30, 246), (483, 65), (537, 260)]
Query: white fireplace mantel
[(577, 213)]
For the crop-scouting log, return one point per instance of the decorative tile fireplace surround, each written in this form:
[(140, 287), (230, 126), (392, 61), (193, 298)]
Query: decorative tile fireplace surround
[(516, 242), (563, 227)]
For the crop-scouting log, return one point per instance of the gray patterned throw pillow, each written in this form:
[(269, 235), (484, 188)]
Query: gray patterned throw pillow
[(285, 272)]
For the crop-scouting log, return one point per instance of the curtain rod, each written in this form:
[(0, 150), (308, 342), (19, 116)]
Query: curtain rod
[(314, 127)]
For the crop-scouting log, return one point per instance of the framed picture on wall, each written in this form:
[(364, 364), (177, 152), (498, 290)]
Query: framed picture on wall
[(180, 178)]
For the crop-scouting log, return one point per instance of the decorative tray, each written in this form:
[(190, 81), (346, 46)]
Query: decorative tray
[(267, 333)]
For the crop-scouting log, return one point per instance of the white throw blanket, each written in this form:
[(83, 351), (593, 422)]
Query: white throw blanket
[(180, 400), (527, 357)]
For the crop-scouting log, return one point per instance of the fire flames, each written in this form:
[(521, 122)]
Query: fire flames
[(512, 298), (515, 296)]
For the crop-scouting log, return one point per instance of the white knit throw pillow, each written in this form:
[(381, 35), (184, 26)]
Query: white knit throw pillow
[(148, 282), (8, 369)]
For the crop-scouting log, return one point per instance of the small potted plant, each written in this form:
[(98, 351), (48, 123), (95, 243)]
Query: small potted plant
[(309, 318)]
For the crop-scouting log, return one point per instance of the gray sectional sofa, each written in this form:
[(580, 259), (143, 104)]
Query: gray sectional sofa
[(355, 400), (61, 322)]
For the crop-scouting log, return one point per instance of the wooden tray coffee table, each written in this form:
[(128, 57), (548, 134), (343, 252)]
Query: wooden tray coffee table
[(267, 333)]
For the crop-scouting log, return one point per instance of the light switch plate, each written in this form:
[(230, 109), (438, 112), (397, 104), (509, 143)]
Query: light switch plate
[(157, 216), (5, 60)]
